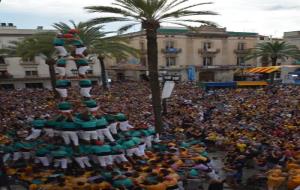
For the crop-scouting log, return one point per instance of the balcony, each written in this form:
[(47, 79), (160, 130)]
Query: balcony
[(225, 67), (241, 51), (209, 51), (29, 63), (3, 66), (143, 51), (171, 51)]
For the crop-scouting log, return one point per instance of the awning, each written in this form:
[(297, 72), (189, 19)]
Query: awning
[(252, 83), (263, 69)]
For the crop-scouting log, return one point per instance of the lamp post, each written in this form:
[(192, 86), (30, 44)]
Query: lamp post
[(163, 78)]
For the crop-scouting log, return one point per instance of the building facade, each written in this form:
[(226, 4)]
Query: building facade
[(215, 53), (17, 73)]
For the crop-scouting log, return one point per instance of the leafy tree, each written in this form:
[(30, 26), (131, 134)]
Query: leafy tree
[(150, 14), (39, 44), (97, 43)]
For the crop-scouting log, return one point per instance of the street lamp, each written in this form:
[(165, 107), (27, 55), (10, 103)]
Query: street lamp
[(163, 78)]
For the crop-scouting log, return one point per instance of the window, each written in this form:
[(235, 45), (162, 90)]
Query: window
[(241, 46), (2, 61), (170, 44), (31, 73), (207, 61), (34, 85), (7, 86), (206, 45), (142, 45), (170, 61), (240, 61)]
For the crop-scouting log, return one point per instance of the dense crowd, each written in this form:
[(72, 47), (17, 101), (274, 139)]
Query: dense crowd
[(250, 128)]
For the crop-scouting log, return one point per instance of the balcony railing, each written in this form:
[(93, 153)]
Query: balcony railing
[(225, 66), (209, 51), (241, 51), (143, 51), (29, 63), (171, 50)]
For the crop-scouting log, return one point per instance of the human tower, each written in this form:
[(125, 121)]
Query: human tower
[(87, 138)]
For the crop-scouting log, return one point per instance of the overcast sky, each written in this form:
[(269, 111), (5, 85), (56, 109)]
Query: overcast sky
[(267, 17)]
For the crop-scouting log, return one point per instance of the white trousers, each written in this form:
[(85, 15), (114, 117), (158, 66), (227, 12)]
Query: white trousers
[(61, 50), (83, 161), (83, 69), (125, 126), (105, 160), (148, 141), (89, 135), (18, 155), (49, 132), (80, 51), (113, 128), (142, 148), (68, 136), (85, 92), (132, 151), (63, 92), (35, 133), (61, 71), (62, 163), (119, 158), (6, 157), (44, 160), (105, 133)]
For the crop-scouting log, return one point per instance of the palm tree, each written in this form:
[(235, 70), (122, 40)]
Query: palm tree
[(36, 45), (274, 51), (97, 43), (150, 14), (113, 47)]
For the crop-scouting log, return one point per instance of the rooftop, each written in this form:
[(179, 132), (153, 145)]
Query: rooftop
[(178, 31)]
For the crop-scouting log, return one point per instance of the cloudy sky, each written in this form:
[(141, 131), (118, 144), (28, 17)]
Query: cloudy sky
[(267, 17)]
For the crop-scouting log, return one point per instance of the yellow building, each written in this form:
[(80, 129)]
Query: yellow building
[(214, 52)]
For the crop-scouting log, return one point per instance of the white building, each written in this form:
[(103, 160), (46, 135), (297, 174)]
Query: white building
[(15, 73)]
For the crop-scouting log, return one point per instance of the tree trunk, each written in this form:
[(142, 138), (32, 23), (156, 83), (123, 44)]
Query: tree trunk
[(151, 33), (103, 72), (51, 63), (274, 63)]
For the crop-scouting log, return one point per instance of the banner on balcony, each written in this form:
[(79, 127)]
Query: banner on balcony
[(191, 73), (168, 89)]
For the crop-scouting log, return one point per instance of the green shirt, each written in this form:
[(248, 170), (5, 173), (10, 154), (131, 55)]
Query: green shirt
[(90, 103), (65, 125), (43, 151), (101, 122), (65, 106), (121, 117), (77, 42), (129, 144), (63, 83), (23, 145), (85, 83), (38, 123), (117, 148), (127, 182), (101, 149), (87, 124), (61, 62), (83, 150), (81, 62), (109, 118), (59, 42), (193, 173)]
